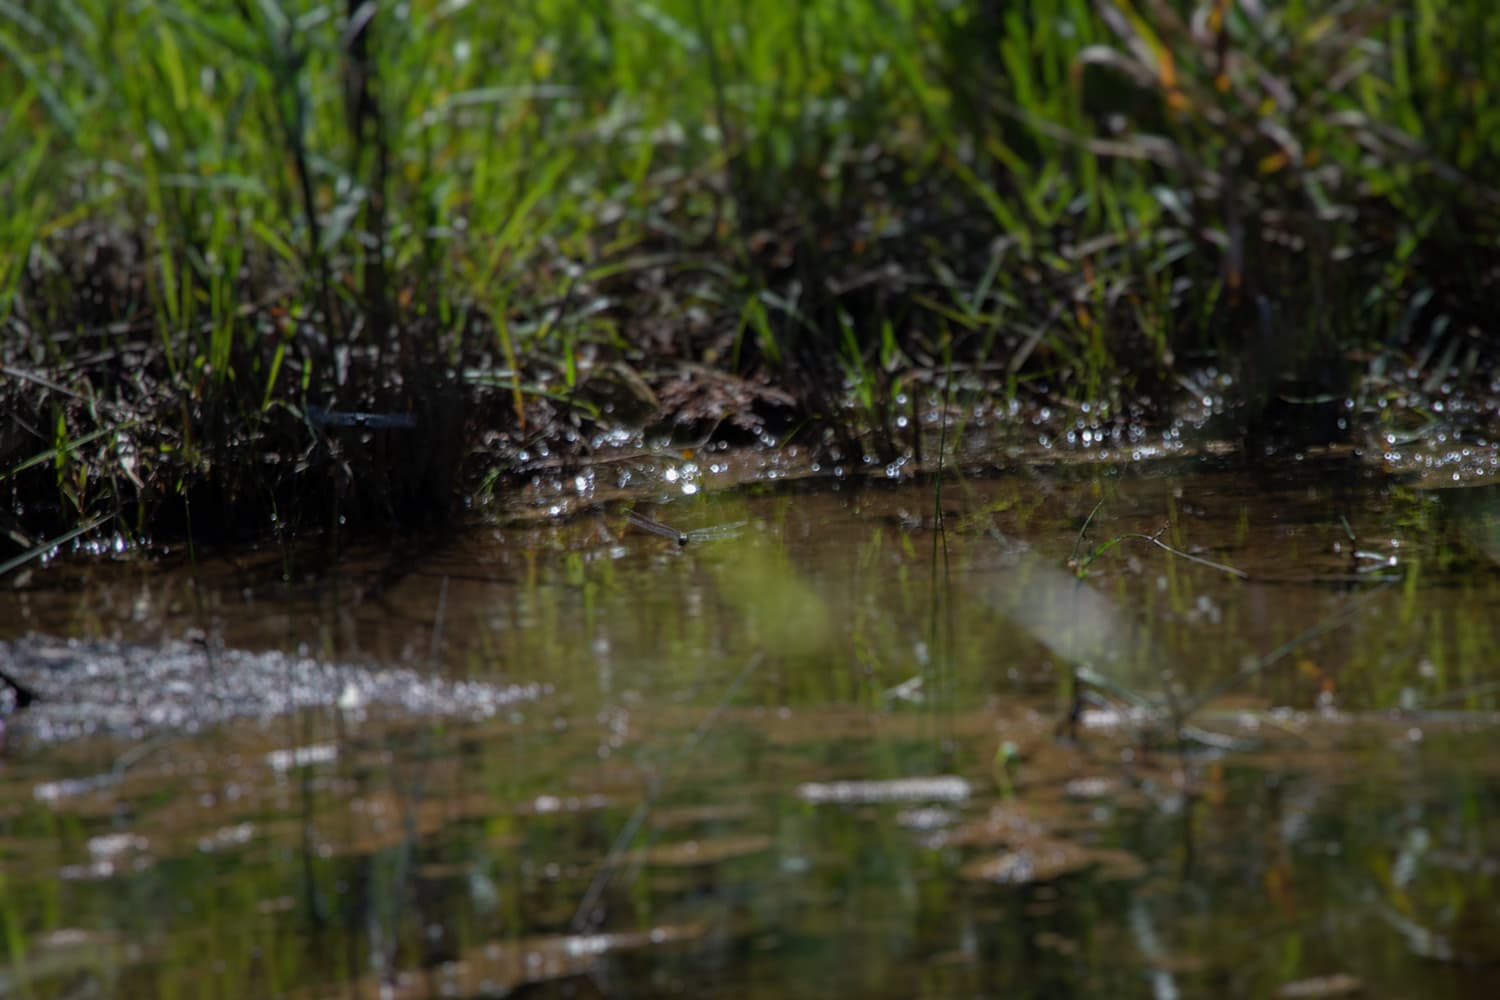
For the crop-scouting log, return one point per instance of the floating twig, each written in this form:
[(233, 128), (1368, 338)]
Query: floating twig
[(1221, 567), (1155, 539)]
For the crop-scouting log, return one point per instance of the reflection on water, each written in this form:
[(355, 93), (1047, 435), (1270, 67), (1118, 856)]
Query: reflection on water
[(829, 751)]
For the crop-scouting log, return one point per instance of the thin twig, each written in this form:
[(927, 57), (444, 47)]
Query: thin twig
[(1221, 567), (1451, 697), (1156, 540)]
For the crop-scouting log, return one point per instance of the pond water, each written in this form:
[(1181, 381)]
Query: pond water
[(1154, 731)]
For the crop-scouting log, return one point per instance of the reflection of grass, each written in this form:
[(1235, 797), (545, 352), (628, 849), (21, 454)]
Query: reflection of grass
[(12, 929), (645, 641), (1386, 645)]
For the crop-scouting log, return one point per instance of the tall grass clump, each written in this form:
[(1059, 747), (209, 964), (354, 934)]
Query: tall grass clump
[(337, 263), (1276, 185)]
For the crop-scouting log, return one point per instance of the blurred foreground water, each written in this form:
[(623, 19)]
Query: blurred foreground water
[(818, 748)]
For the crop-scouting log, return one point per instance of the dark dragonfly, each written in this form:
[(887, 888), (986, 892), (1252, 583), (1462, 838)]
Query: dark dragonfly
[(320, 417), (665, 530)]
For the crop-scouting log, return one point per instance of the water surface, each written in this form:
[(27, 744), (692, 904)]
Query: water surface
[(848, 738)]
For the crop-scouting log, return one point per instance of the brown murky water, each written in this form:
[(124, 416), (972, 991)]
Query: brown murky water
[(819, 749)]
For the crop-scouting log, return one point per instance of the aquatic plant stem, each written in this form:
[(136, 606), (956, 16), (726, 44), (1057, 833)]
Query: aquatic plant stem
[(1082, 532), (940, 646)]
